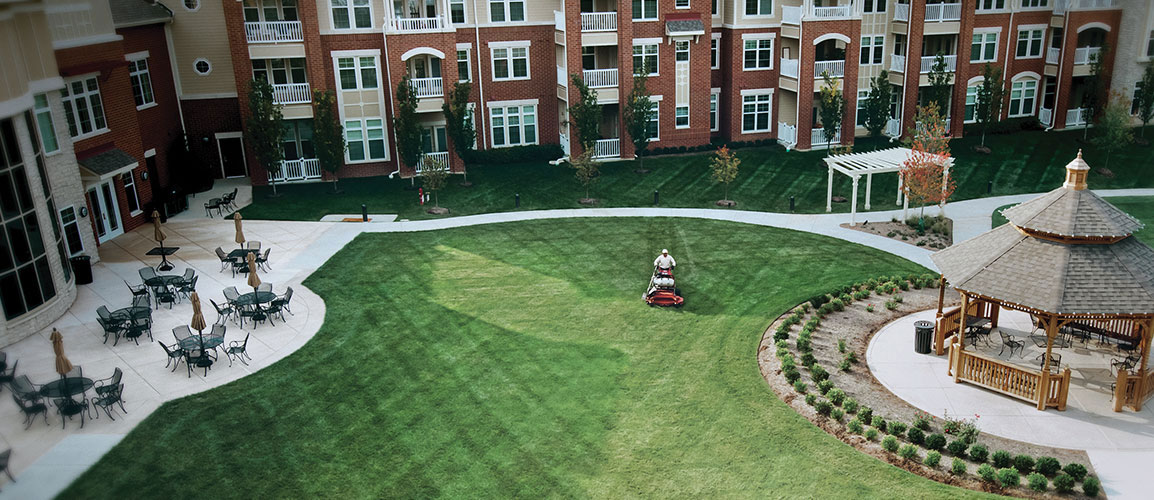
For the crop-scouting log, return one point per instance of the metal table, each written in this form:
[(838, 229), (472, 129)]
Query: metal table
[(203, 342), (242, 253), (255, 298), (163, 252), (65, 387), (131, 312)]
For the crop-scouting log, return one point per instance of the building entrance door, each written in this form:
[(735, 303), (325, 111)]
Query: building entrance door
[(105, 211), (232, 161)]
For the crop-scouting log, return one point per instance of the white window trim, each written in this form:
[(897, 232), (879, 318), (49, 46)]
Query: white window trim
[(352, 20), (656, 118), (522, 44), (185, 5), (338, 55), (206, 61), (1010, 91), (1022, 6), (654, 42), (489, 11), (759, 37), (968, 87), (741, 8), (364, 128), (136, 56), (40, 133), (675, 6), (520, 112), (75, 220), (95, 131), (468, 48), (675, 125), (997, 41), (716, 36), (142, 56), (715, 92), (1041, 44), (135, 192), (657, 15), (872, 48), (757, 92), (1006, 4)]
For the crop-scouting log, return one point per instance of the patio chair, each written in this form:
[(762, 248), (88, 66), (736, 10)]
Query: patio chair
[(112, 328), (239, 266), (23, 388), (246, 311), (231, 294), (275, 308), (283, 302), (6, 376), (31, 408), (138, 327), (213, 204), (198, 357), (222, 313), (264, 287), (4, 458), (230, 199), (163, 294), (239, 350), (252, 245), (1009, 341), (68, 407), (217, 332), (173, 354), (104, 313), (137, 290), (104, 385), (1055, 361), (113, 396), (262, 260), (181, 332), (188, 287), (142, 301), (223, 256), (146, 273)]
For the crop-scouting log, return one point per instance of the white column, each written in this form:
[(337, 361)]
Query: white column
[(853, 204), (899, 200), (829, 190), (905, 209), (869, 187)]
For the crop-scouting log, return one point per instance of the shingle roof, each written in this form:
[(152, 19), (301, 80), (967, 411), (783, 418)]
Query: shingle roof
[(1070, 212), (107, 162), (128, 13), (684, 27)]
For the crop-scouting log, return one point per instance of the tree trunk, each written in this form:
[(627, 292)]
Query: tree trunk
[(983, 136), (335, 190), (272, 182), (436, 200)]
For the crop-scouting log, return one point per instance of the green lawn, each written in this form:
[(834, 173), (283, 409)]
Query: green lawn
[(1025, 162), (1140, 207), (519, 360)]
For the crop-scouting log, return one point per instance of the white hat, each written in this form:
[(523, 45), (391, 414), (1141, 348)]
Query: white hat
[(664, 250)]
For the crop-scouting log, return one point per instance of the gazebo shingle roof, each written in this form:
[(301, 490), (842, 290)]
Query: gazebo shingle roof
[(1068, 212)]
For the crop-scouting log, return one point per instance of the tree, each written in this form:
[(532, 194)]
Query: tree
[(459, 122), (1096, 91), (925, 174), (586, 169), (723, 168), (991, 95), (406, 124), (1115, 127), (639, 111), (328, 134), (940, 81), (1145, 97), (832, 108), (877, 108), (265, 128), (585, 113), (433, 178)]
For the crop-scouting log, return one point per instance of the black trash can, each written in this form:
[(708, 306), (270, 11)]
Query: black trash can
[(923, 336), (82, 269)]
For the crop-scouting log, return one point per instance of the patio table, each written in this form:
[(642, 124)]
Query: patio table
[(65, 387), (130, 313), (165, 280), (242, 253), (198, 341), (255, 298), (974, 329)]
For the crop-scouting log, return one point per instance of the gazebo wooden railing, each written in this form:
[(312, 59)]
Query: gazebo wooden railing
[(1046, 390), (949, 321), (1132, 389)]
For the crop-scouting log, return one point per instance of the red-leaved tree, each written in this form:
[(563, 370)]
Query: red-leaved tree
[(926, 178)]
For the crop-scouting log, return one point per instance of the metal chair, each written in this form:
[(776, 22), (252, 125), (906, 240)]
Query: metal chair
[(105, 385), (181, 332), (1055, 361), (231, 294), (172, 354), (264, 287), (222, 313), (116, 329), (188, 287), (283, 302), (30, 408), (163, 294), (4, 458), (1009, 341), (137, 290), (138, 327), (239, 350), (224, 260), (262, 260), (68, 407), (146, 273), (252, 245), (23, 388), (142, 301), (112, 396), (6, 376), (104, 313)]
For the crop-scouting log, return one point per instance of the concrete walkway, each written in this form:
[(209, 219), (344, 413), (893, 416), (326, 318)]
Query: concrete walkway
[(299, 248)]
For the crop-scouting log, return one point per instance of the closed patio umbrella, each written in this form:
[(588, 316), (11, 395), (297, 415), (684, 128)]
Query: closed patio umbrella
[(197, 316), (253, 279), (63, 366), (239, 229), (159, 236)]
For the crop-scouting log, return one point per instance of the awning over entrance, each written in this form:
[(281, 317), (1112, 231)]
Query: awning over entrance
[(106, 165)]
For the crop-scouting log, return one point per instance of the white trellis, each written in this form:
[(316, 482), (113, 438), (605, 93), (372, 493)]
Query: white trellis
[(855, 165)]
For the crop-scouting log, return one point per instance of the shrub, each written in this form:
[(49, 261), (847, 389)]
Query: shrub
[(958, 466), (870, 308), (908, 451), (891, 305), (957, 448), (1091, 486), (791, 374), (1008, 477), (922, 420), (898, 298), (812, 324), (964, 428), (837, 414), (932, 458), (917, 436), (1002, 459), (810, 399), (818, 373), (816, 301), (787, 362), (823, 407), (866, 414), (979, 453), (845, 298), (879, 422), (782, 352), (854, 426), (1048, 466), (1037, 482), (840, 345), (1063, 483), (838, 305), (1075, 470), (1024, 463), (781, 334), (896, 428), (871, 434), (850, 405), (987, 473), (807, 359), (890, 444), (799, 386), (851, 357), (782, 343), (935, 441), (845, 365), (825, 386), (904, 285), (836, 396), (803, 345)]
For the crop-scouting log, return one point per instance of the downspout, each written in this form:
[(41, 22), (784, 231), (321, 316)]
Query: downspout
[(392, 108), (797, 95), (1006, 62), (480, 76), (1058, 80), (172, 63)]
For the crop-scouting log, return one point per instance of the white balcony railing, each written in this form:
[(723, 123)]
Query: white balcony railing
[(791, 15), (902, 12), (897, 63), (928, 63), (273, 32), (1097, 4), (1053, 55), (789, 67), (835, 12), (817, 137), (600, 78), (304, 169), (1075, 117), (1046, 116), (428, 160), (1083, 55), (562, 77), (417, 24), (292, 93), (607, 148), (943, 12), (559, 20), (428, 87), (893, 128), (598, 21), (835, 68), (786, 134)]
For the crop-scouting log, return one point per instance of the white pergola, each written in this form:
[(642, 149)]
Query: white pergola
[(855, 165)]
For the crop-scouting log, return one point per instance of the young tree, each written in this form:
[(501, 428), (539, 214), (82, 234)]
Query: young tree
[(265, 128), (1115, 127), (925, 174), (723, 169), (585, 113), (406, 124), (328, 134), (940, 81), (639, 111), (1145, 99), (433, 178), (586, 170), (877, 108), (991, 95), (459, 122), (832, 108), (1096, 90)]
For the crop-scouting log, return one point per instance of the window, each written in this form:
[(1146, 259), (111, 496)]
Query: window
[(25, 278), (991, 5), (714, 53), (357, 72), (202, 67), (716, 9), (713, 125), (1035, 3), (349, 14), (463, 66), (44, 122), (681, 4), (759, 7), (863, 96), (755, 111), (280, 71), (645, 59), (82, 107), (365, 139), (758, 54), (130, 196), (141, 83), (297, 140), (644, 10), (501, 11), (511, 63), (971, 112), (513, 125), (654, 128), (1029, 43), (71, 231), (192, 5), (681, 50), (872, 48), (457, 11), (1150, 45), (681, 117), (1022, 98), (874, 6), (984, 47), (1135, 101)]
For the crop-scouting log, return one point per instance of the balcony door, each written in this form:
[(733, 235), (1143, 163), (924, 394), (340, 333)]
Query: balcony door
[(434, 139), (412, 9), (280, 71), (425, 66), (105, 211), (270, 10)]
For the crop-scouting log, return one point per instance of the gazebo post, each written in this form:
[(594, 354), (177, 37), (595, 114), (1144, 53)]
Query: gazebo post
[(1044, 385), (1145, 345), (899, 200), (941, 294), (853, 204), (869, 188), (960, 339), (829, 189)]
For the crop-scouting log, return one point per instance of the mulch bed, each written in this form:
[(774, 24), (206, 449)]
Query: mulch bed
[(902, 232)]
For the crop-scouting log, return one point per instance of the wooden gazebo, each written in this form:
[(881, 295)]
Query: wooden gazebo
[(1068, 258)]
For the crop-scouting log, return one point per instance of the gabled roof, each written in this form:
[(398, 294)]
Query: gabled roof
[(108, 163), (129, 13), (1069, 212)]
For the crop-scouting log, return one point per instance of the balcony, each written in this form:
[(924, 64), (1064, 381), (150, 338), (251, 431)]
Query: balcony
[(1083, 55), (273, 32), (432, 160), (607, 148), (1046, 116), (598, 21), (292, 93), (428, 87), (791, 15), (834, 68), (902, 12), (817, 137), (786, 134), (1076, 117), (836, 12), (943, 12), (893, 128), (897, 63), (600, 78), (417, 24), (1053, 55), (928, 63), (1097, 4), (304, 169), (789, 67)]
